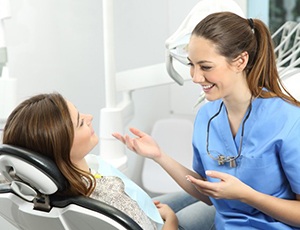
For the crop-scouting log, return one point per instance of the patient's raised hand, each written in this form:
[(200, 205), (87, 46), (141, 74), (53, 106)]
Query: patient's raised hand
[(143, 144)]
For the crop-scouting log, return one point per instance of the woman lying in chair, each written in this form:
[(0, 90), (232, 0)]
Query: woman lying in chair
[(51, 125)]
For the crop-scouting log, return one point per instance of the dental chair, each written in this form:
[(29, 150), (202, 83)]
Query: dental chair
[(174, 135), (28, 199)]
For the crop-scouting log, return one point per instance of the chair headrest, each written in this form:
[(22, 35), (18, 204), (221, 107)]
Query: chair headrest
[(36, 170)]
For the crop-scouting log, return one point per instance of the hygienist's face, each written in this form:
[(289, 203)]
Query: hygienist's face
[(85, 138), (209, 69)]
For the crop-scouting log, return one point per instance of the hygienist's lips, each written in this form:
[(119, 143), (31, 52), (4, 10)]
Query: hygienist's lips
[(207, 88)]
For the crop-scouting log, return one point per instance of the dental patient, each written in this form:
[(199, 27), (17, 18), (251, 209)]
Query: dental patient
[(50, 125)]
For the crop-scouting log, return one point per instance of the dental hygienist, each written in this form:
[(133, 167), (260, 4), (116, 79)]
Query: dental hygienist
[(246, 138)]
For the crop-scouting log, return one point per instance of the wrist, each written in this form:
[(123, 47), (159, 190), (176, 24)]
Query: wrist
[(159, 157), (172, 222)]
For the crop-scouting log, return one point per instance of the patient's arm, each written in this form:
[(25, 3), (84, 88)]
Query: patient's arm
[(167, 214)]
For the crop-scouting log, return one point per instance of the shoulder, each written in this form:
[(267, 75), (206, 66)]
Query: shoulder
[(275, 112), (209, 108), (206, 111), (278, 107)]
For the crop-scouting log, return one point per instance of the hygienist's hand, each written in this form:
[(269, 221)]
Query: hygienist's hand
[(143, 144), (168, 215), (229, 187)]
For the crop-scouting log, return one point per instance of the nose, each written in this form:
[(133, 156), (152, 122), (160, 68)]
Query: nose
[(197, 75), (89, 118)]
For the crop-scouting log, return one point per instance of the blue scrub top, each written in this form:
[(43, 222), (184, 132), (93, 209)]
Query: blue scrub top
[(269, 161)]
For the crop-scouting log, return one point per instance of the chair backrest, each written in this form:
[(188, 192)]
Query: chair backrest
[(174, 135), (28, 199)]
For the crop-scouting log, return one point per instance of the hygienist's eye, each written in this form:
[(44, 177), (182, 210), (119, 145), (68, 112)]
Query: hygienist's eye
[(205, 68)]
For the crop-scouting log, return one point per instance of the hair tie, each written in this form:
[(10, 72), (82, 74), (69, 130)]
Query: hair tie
[(251, 23)]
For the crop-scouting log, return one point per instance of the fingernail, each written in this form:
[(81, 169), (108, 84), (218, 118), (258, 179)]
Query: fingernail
[(208, 172), (187, 178)]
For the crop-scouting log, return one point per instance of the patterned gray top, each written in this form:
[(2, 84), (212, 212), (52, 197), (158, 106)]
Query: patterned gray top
[(110, 190)]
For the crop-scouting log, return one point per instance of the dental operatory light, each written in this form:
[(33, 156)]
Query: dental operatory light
[(177, 44)]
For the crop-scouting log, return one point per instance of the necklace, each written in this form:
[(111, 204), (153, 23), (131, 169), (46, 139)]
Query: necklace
[(222, 159)]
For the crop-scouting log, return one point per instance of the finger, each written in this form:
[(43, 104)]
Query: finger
[(216, 174), (119, 137), (191, 179), (135, 145), (156, 202), (137, 132), (198, 183), (204, 187), (159, 205), (128, 142)]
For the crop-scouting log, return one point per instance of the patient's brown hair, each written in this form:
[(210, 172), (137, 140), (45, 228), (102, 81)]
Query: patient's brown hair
[(43, 124)]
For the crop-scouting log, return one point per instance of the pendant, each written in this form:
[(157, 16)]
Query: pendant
[(232, 163), (221, 159)]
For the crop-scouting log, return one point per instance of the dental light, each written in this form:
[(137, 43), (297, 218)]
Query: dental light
[(177, 44)]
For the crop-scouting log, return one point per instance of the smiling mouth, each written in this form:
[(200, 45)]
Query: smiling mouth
[(207, 87)]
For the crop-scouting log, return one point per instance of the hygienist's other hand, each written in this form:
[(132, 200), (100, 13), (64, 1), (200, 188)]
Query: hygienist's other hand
[(143, 144), (229, 187)]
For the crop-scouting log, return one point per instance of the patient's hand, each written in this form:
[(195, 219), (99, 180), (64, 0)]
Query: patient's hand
[(168, 215), (143, 144)]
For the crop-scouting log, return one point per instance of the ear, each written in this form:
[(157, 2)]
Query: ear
[(241, 61)]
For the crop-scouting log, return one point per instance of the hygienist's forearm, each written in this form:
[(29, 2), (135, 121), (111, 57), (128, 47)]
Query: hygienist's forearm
[(178, 173), (286, 211)]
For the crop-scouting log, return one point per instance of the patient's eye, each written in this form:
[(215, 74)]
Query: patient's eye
[(81, 122)]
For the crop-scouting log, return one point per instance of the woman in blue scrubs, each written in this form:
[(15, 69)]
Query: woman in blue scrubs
[(246, 137)]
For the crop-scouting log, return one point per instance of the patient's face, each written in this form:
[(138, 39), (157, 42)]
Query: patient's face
[(85, 138)]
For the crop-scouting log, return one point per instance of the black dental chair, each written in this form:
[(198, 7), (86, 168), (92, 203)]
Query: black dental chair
[(27, 199)]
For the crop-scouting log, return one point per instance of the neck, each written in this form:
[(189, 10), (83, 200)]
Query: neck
[(238, 102), (82, 164), (236, 111)]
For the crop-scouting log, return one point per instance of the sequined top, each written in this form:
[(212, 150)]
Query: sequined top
[(110, 190)]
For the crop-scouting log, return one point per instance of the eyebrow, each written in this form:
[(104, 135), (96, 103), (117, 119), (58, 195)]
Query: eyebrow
[(200, 62)]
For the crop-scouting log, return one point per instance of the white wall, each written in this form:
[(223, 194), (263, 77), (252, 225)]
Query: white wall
[(57, 46)]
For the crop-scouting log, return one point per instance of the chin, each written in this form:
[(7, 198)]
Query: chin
[(212, 98)]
